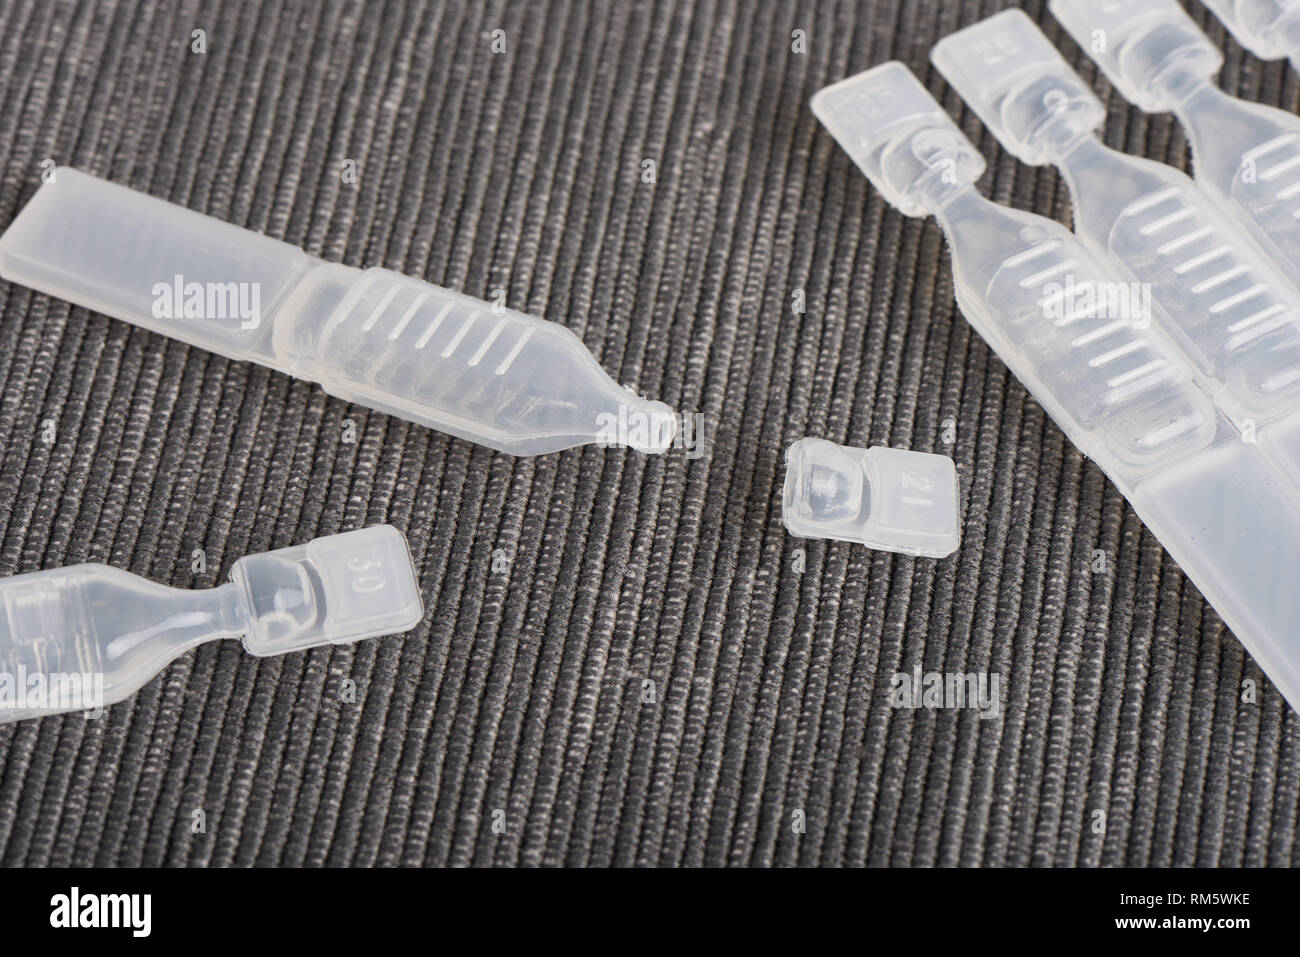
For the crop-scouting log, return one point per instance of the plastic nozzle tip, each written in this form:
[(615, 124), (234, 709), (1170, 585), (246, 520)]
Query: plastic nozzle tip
[(661, 428)]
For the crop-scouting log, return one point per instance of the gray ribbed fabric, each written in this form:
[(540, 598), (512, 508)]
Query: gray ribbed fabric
[(513, 726)]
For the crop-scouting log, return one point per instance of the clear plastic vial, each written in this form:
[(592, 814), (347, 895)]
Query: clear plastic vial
[(460, 365), (86, 636)]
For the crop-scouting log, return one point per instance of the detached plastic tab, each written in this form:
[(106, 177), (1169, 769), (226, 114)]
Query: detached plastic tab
[(888, 499), (86, 636), (460, 365)]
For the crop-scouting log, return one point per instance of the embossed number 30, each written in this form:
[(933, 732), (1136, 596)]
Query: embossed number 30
[(365, 577)]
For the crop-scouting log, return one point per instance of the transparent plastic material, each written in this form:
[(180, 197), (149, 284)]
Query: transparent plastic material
[(1150, 49), (460, 365), (1267, 28), (1213, 290), (889, 499), (1246, 155), (1225, 508), (87, 636), (1112, 384)]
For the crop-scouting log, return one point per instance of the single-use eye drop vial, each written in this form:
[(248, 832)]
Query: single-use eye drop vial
[(87, 636), (375, 337), (888, 499)]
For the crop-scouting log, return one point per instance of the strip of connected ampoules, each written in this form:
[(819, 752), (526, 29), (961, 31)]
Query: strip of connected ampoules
[(1129, 392), (1215, 292), (1246, 156)]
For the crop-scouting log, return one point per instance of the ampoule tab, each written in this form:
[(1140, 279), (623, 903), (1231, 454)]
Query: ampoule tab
[(888, 499), (1148, 48), (335, 589), (897, 134), (1019, 85)]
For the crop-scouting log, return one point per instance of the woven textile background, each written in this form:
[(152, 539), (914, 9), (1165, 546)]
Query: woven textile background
[(514, 725)]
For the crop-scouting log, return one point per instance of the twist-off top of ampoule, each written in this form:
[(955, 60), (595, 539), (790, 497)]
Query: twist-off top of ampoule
[(890, 499), (1018, 84), (897, 134), (1147, 48), (1267, 28)]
